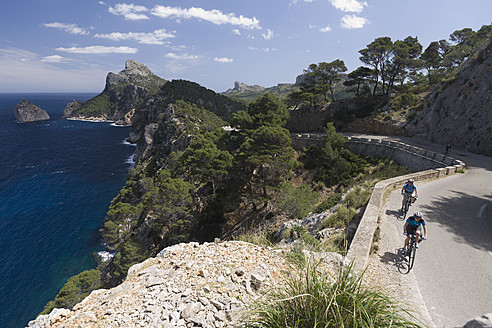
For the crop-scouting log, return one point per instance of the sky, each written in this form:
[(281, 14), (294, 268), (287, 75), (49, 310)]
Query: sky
[(71, 45)]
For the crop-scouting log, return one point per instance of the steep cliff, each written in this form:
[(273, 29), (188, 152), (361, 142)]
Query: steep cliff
[(26, 111), (157, 114), (460, 112), (123, 93)]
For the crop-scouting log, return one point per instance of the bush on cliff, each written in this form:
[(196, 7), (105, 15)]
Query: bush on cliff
[(75, 290)]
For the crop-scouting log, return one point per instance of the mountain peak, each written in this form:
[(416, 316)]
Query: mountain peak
[(134, 72), (133, 67), (238, 86)]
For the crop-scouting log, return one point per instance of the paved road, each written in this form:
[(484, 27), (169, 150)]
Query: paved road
[(454, 267)]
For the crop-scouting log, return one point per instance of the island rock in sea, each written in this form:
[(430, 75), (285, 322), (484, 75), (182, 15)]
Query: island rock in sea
[(26, 111)]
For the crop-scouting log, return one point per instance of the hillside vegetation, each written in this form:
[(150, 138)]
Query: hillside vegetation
[(196, 181)]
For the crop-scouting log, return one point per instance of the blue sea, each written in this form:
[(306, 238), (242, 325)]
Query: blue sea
[(57, 179)]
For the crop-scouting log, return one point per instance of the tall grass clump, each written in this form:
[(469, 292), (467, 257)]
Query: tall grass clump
[(256, 238), (311, 298), (340, 218), (357, 197)]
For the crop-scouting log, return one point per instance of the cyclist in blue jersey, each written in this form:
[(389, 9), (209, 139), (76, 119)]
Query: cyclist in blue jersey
[(408, 190), (413, 225)]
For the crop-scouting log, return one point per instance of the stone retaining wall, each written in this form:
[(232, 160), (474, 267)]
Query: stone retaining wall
[(427, 165), (416, 158)]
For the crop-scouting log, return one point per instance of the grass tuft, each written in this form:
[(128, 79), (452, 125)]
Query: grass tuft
[(311, 298)]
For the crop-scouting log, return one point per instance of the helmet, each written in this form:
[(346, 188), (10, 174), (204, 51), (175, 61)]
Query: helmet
[(418, 215), (410, 180)]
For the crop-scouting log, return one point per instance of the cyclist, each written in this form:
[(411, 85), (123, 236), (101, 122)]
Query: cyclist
[(412, 226), (408, 190)]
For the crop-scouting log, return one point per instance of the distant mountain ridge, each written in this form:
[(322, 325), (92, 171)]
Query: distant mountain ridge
[(248, 93)]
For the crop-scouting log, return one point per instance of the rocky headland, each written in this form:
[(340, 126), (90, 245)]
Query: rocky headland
[(25, 111), (123, 93)]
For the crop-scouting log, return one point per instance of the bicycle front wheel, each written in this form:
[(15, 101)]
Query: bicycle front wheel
[(411, 256)]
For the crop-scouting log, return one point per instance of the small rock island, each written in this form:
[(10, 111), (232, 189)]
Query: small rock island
[(26, 111)]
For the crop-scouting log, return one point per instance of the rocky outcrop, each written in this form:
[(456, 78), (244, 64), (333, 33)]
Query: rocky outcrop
[(460, 113), (123, 94), (241, 87), (347, 115), (26, 111), (185, 285), (70, 108)]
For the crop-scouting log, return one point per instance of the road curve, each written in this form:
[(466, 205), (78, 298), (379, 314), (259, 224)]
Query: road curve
[(453, 268)]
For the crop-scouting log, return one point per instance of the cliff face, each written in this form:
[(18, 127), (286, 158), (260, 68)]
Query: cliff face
[(123, 93), (460, 114), (26, 111)]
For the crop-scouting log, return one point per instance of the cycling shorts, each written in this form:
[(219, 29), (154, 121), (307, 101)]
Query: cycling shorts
[(411, 229)]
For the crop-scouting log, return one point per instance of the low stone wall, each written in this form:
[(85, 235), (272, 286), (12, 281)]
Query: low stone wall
[(425, 163), (416, 158)]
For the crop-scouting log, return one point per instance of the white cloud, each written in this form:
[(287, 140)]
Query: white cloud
[(268, 35), (294, 2), (236, 32), (352, 21), (320, 28), (55, 59), (70, 28), (155, 37), (262, 49), (214, 16), (351, 6), (223, 60), (172, 55), (129, 11), (25, 71), (99, 50)]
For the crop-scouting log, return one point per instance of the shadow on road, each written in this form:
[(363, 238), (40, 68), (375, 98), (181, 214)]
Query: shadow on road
[(469, 218), (397, 260), (397, 214)]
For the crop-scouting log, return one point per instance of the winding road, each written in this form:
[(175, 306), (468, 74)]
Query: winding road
[(453, 268)]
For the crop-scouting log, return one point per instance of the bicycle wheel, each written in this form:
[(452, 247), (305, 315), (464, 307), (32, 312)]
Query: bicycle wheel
[(411, 254), (405, 209)]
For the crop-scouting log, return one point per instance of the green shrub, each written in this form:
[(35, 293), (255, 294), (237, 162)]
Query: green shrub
[(75, 290), (296, 201), (310, 298), (404, 99), (340, 218), (328, 203), (357, 198)]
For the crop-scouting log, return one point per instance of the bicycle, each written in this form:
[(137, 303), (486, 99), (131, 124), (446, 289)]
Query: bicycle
[(411, 251), (407, 205)]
